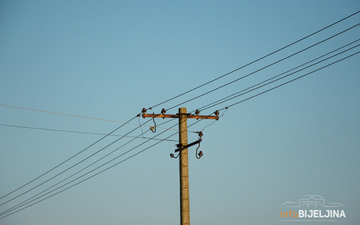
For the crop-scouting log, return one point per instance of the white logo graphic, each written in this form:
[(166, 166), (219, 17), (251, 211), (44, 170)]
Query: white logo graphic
[(312, 208)]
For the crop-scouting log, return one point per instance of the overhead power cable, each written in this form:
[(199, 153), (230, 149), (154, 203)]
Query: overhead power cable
[(169, 136), (65, 114), (66, 160), (229, 106), (84, 117), (257, 86), (159, 142), (51, 178), (249, 74), (267, 66), (273, 88), (104, 164), (27, 204), (261, 58), (76, 132), (86, 159), (31, 199)]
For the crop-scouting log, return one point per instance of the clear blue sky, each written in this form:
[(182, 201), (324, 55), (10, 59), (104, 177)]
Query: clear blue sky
[(110, 59)]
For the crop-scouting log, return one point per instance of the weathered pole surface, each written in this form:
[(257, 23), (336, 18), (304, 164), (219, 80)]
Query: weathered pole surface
[(184, 169)]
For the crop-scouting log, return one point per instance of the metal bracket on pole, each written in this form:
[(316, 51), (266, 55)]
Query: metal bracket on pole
[(180, 147)]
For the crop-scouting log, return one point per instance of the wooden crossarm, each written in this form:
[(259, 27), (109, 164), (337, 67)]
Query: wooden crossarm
[(189, 116)]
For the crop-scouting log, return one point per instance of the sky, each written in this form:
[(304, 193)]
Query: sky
[(110, 59)]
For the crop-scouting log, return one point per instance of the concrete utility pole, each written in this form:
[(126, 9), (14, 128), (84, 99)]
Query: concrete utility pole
[(184, 169), (183, 156)]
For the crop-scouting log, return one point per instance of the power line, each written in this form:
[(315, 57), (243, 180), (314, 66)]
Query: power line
[(84, 117), (8, 212), (236, 103), (238, 79), (70, 131), (257, 86), (44, 111), (261, 58), (29, 199), (81, 162), (68, 168), (142, 143), (65, 114), (229, 106), (91, 172), (145, 142), (11, 211), (66, 160), (86, 159), (161, 141)]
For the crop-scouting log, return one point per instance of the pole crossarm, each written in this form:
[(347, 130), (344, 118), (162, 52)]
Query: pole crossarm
[(189, 116)]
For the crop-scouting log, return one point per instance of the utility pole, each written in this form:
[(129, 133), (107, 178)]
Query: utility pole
[(184, 169), (183, 156)]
